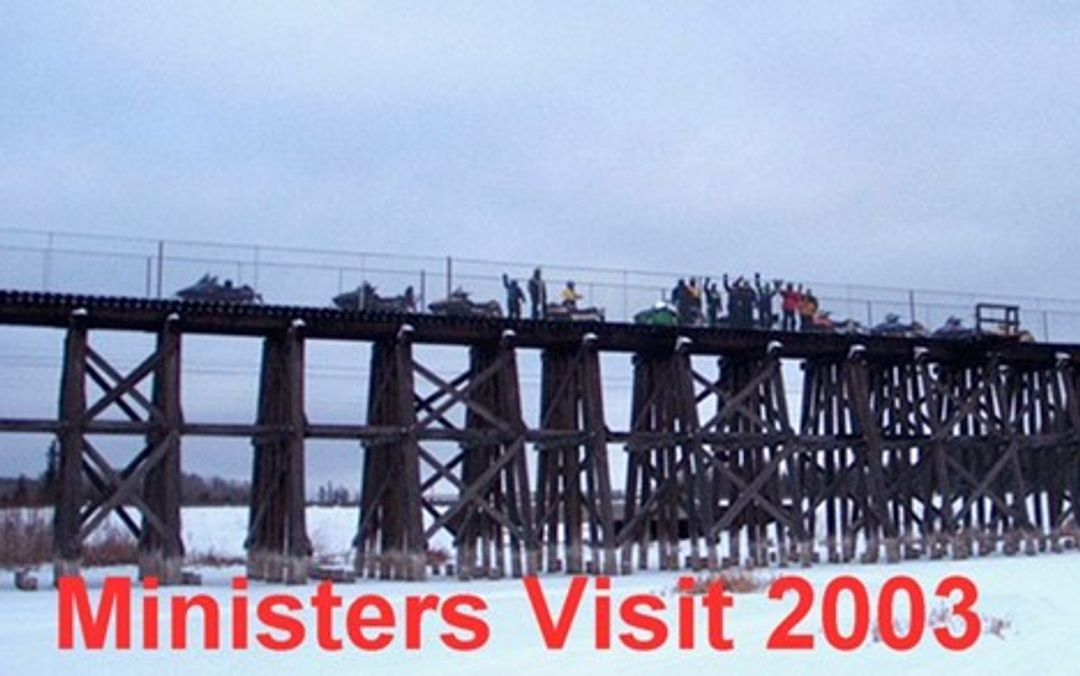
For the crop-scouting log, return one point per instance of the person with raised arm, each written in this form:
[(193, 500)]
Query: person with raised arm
[(765, 294), (515, 297)]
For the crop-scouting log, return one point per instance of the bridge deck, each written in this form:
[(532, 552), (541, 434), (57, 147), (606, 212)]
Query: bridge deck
[(141, 314)]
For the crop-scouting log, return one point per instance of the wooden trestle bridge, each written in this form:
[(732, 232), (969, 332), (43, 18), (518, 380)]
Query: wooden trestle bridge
[(902, 448)]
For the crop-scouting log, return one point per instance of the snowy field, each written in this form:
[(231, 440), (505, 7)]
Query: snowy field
[(1035, 600)]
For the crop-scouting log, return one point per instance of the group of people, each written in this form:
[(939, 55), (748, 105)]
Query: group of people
[(537, 295), (750, 304)]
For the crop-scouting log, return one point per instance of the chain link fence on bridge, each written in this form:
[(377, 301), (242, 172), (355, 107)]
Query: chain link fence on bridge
[(101, 264)]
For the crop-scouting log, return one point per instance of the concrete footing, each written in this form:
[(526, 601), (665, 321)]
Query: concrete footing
[(167, 570), (65, 568)]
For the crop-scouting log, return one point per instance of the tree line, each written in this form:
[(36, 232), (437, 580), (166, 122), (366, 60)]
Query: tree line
[(195, 489)]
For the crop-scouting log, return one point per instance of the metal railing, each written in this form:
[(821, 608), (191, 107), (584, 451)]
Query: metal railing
[(105, 264)]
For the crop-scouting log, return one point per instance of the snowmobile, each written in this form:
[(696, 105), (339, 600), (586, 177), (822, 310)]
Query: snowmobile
[(364, 297), (892, 326), (459, 305), (573, 313), (660, 314), (209, 289), (824, 323), (954, 329)]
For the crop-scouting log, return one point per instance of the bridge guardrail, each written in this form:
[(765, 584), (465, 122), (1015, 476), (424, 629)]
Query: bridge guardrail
[(104, 264)]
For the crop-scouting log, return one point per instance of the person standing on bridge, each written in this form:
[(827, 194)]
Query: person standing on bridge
[(808, 309), (515, 297), (765, 294), (570, 296), (790, 300), (537, 295), (740, 303), (749, 302), (695, 297), (733, 302), (712, 302), (680, 298)]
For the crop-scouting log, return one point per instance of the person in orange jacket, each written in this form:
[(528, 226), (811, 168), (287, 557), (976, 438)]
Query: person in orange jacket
[(808, 309)]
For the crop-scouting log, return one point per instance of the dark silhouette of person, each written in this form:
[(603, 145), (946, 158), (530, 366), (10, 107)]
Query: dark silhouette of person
[(765, 294), (680, 298), (732, 300), (740, 303), (515, 297), (712, 302), (537, 295), (749, 302)]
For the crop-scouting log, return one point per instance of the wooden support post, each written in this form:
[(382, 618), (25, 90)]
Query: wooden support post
[(413, 554), (634, 475), (390, 541), (376, 484), (265, 518), (754, 446), (572, 404), (278, 545), (69, 496), (603, 519), (832, 425), (297, 551), (676, 489), (517, 483), (938, 526), (876, 517), (808, 481), (558, 491), (493, 489), (637, 525), (698, 499), (162, 554)]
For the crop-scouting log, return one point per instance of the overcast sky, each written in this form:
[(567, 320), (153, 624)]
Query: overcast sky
[(927, 144), (900, 143)]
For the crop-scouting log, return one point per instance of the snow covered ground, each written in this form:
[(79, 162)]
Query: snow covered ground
[(1038, 597)]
